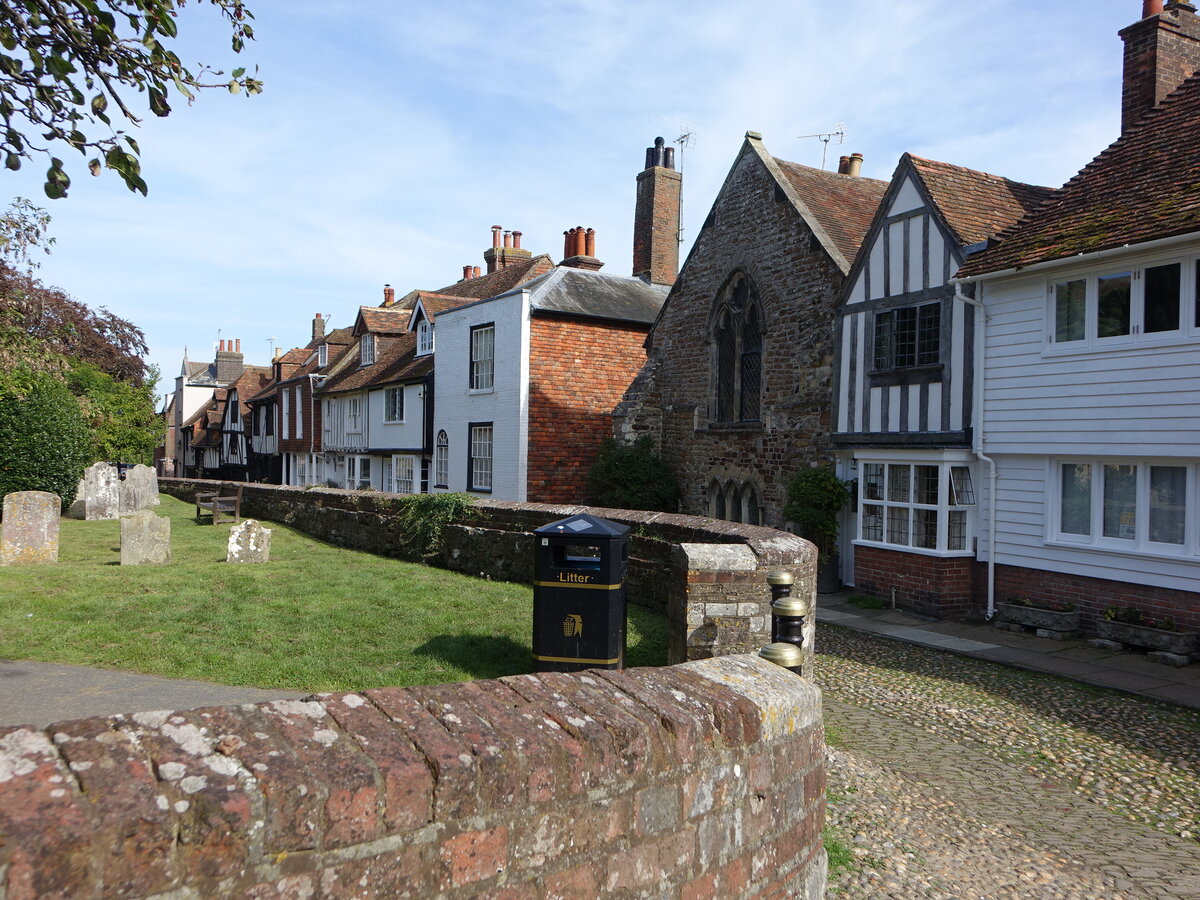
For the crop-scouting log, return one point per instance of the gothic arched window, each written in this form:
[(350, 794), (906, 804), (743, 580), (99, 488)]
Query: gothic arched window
[(737, 338)]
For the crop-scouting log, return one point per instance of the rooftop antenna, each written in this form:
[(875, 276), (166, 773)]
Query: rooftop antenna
[(839, 132), (271, 347), (687, 138), (217, 342)]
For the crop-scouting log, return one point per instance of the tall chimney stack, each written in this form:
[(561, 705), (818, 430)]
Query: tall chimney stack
[(229, 362), (656, 217), (318, 330), (1161, 51), (389, 295), (505, 249)]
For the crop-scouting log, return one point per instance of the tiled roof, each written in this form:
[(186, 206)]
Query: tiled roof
[(438, 303), (395, 360), (1143, 187), (295, 357), (252, 381), (500, 281), (392, 320), (974, 204), (844, 206)]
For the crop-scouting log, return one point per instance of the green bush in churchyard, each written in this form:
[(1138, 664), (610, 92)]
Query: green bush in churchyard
[(632, 476), (120, 415), (44, 440)]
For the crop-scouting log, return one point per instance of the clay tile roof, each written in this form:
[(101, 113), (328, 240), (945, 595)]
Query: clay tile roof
[(842, 205), (500, 281), (974, 204), (1143, 187), (395, 360), (295, 356), (392, 320), (438, 303), (252, 381)]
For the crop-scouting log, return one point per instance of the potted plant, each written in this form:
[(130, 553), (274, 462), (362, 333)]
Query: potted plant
[(815, 499), (1056, 619), (1130, 625)]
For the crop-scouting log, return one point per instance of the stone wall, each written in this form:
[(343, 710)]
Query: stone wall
[(700, 780), (716, 597)]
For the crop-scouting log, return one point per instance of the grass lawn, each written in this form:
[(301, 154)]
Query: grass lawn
[(316, 617)]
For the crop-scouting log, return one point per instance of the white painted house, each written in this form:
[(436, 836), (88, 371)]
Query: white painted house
[(904, 384), (1091, 377)]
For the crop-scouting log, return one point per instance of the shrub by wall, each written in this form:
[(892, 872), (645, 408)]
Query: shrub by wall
[(700, 780)]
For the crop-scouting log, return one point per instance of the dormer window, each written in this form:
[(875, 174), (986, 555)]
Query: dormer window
[(367, 353), (424, 338), (323, 356)]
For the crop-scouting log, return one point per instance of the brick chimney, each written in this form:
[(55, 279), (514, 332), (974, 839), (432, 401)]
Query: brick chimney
[(505, 250), (318, 331), (229, 362), (389, 296), (579, 249), (1161, 51), (656, 217)]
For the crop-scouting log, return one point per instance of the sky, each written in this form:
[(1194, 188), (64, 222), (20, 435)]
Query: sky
[(391, 135)]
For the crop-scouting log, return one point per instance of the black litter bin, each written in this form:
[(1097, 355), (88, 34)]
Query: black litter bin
[(579, 594)]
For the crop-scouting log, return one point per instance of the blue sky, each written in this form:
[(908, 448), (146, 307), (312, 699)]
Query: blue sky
[(392, 135)]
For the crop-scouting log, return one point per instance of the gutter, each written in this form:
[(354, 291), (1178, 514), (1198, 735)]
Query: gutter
[(1079, 258), (977, 442)]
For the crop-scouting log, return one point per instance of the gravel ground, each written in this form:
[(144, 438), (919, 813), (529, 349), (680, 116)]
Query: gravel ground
[(958, 778)]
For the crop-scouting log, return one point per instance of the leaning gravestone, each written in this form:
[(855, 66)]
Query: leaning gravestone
[(249, 542), (139, 490), (145, 539), (98, 496), (29, 532)]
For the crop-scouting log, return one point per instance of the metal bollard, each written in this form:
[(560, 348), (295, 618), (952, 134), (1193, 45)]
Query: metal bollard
[(787, 612), (789, 656)]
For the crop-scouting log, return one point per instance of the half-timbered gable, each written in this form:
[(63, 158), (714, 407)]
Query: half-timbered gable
[(904, 392)]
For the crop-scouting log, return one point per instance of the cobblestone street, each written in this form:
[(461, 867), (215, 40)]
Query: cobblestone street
[(956, 778)]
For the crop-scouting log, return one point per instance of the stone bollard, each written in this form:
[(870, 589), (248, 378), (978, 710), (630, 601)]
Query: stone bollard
[(145, 539), (249, 542), (29, 533)]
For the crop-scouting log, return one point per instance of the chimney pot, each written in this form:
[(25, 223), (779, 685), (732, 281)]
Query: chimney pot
[(854, 165), (589, 245), (475, 272), (580, 241), (466, 272), (238, 349), (568, 243), (1151, 8), (516, 240), (508, 239), (389, 295), (843, 165), (222, 347), (496, 229)]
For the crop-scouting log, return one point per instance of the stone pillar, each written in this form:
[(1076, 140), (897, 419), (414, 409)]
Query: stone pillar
[(29, 533), (145, 539)]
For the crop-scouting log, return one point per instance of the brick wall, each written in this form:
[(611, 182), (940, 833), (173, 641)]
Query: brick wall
[(930, 585), (753, 228), (1091, 596), (708, 576), (1160, 53), (703, 780), (656, 225), (570, 416)]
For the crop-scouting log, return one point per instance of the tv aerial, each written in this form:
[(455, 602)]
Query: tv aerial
[(839, 132), (687, 138)]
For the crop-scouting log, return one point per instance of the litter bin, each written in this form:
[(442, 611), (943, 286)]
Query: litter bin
[(579, 594)]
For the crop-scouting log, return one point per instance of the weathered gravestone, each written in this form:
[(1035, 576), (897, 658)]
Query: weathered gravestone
[(145, 539), (249, 542), (29, 532), (98, 496), (139, 490)]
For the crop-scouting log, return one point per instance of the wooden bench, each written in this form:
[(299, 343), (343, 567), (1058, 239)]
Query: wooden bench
[(219, 503)]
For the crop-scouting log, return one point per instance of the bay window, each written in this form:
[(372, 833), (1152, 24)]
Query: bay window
[(923, 505)]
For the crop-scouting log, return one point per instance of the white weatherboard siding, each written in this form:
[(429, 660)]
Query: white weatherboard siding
[(406, 435), (506, 405), (345, 422)]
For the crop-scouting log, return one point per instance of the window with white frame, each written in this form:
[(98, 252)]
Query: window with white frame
[(393, 404), (1122, 306), (354, 414), (330, 409), (299, 413), (921, 505), (402, 466), (479, 457), (358, 473), (424, 337), (441, 461), (283, 431), (366, 354), (483, 349), (1125, 504), (322, 356)]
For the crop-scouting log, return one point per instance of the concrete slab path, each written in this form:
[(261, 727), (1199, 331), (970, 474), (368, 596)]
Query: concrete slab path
[(36, 693), (1129, 672)]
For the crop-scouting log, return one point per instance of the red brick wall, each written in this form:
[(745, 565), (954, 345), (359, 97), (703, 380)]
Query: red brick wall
[(311, 442), (656, 225), (605, 783), (1091, 596), (1160, 53), (930, 585), (578, 371)]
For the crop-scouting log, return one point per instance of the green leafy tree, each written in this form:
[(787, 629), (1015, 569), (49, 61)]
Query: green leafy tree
[(632, 476), (68, 67), (815, 499), (121, 419), (44, 440)]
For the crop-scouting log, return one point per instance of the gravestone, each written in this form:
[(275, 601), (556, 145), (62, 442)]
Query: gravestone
[(29, 532), (98, 495), (249, 542), (145, 539), (139, 490)]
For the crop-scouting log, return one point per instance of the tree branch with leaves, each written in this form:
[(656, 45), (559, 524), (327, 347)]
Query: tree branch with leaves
[(65, 65)]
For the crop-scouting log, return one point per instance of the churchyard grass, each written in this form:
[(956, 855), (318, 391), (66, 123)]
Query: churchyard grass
[(316, 617)]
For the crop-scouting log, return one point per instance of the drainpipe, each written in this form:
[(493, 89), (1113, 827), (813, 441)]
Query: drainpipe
[(977, 442), (314, 382)]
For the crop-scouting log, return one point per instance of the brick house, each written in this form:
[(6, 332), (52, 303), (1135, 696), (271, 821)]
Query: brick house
[(736, 388)]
